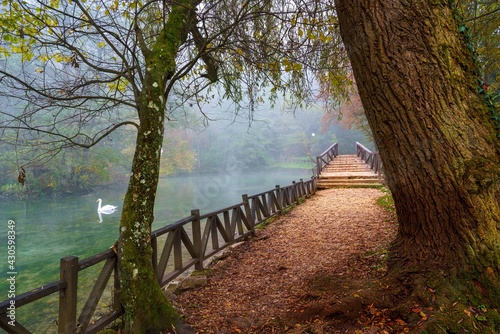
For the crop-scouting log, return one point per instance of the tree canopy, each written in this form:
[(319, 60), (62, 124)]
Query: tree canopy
[(479, 20), (74, 71), (74, 68)]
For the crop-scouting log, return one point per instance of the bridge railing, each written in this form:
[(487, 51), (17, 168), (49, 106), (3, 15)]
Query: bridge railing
[(177, 248), (324, 158), (370, 158)]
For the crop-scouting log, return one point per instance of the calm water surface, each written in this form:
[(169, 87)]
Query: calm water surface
[(49, 229)]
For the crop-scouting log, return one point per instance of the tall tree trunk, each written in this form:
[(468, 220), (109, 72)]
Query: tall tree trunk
[(146, 308), (419, 87)]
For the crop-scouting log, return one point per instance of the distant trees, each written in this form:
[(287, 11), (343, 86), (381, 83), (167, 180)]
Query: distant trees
[(177, 156), (72, 72), (274, 138)]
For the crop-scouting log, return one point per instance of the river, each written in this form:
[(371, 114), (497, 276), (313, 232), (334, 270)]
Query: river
[(51, 228)]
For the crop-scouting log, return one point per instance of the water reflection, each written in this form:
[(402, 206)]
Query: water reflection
[(49, 229), (104, 210)]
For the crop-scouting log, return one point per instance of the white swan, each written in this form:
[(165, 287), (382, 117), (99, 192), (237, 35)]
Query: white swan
[(107, 209)]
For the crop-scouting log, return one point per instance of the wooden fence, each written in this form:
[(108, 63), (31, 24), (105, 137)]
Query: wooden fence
[(324, 158), (177, 248), (370, 158)]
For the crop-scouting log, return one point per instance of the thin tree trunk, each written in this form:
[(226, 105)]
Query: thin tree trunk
[(146, 308), (419, 87)]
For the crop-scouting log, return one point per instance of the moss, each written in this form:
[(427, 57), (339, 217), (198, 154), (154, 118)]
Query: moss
[(162, 58), (481, 173), (490, 98), (386, 201), (146, 307), (204, 272), (454, 305), (265, 223)]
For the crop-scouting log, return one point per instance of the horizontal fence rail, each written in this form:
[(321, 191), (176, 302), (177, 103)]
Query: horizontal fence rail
[(324, 158), (370, 158), (177, 248)]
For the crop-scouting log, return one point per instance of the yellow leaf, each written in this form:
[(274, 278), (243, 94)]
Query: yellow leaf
[(297, 67), (44, 58), (311, 35)]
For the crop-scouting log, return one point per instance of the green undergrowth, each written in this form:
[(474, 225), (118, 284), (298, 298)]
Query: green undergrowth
[(204, 272), (386, 201), (271, 219), (449, 305)]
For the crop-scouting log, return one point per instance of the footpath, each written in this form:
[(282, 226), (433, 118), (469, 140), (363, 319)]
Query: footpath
[(290, 278)]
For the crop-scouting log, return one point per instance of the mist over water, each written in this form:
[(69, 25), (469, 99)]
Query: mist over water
[(247, 160), (51, 228)]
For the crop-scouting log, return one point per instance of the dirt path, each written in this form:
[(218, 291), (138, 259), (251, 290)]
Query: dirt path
[(280, 282)]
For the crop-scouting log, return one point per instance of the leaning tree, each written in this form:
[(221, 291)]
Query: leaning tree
[(480, 20), (437, 131), (73, 71)]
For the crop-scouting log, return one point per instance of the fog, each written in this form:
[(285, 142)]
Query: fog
[(269, 137)]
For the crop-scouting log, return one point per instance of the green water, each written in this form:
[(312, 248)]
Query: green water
[(51, 228)]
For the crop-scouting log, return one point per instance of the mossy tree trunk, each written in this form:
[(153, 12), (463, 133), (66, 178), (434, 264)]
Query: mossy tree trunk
[(419, 87), (146, 308)]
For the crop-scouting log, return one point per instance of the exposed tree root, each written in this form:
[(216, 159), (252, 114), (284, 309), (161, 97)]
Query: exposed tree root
[(419, 304)]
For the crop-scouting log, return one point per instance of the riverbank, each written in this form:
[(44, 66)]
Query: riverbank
[(292, 276)]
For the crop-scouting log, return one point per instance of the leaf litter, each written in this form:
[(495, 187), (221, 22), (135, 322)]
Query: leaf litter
[(295, 275)]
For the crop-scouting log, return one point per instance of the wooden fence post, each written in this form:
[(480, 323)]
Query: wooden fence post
[(295, 192), (196, 227), (154, 258), (67, 297), (279, 199), (116, 287), (249, 212)]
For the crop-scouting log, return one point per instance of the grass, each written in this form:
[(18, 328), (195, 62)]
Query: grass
[(293, 165), (386, 201)]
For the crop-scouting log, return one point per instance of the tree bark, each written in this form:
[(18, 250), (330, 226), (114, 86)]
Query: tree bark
[(146, 308), (419, 87)]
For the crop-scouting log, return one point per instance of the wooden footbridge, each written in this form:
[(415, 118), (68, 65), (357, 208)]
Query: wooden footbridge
[(363, 169), (177, 248)]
